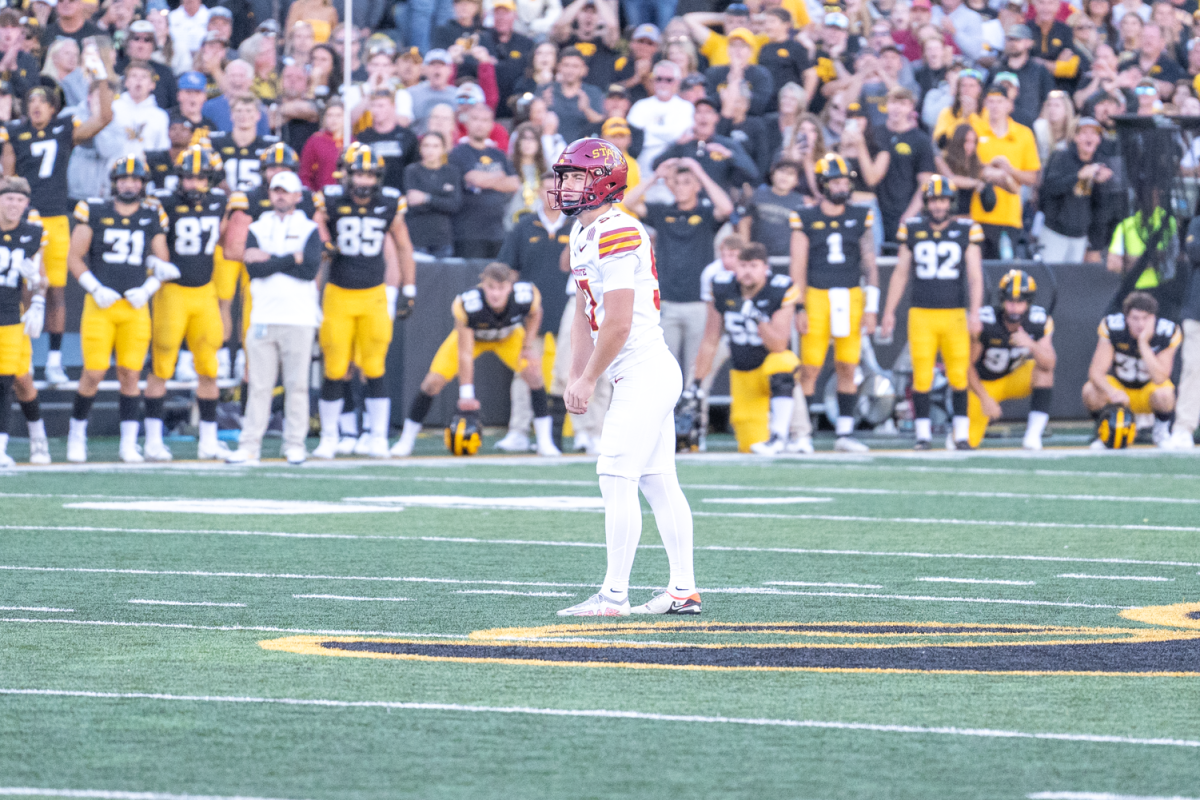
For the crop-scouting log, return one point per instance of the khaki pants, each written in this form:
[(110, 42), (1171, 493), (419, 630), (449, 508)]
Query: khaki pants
[(591, 423), (1187, 407), (1059, 249), (271, 349), (683, 328)]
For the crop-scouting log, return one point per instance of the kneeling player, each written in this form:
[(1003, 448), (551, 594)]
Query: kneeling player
[(757, 311), (499, 316), (188, 307), (1132, 364), (943, 255), (1012, 358), (113, 247), (20, 245)]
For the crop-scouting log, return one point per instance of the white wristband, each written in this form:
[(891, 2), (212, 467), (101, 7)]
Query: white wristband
[(466, 391), (409, 290), (152, 262), (152, 285), (89, 282), (872, 305)]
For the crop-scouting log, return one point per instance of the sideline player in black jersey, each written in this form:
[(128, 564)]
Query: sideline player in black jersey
[(497, 316), (187, 307), (757, 311), (370, 251), (1132, 364), (38, 149), (20, 265), (113, 248), (944, 257), (1012, 358), (833, 250)]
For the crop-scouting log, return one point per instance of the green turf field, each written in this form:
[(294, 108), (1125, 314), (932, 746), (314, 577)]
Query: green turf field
[(891, 626)]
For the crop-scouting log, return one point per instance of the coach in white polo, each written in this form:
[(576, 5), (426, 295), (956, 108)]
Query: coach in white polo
[(283, 254)]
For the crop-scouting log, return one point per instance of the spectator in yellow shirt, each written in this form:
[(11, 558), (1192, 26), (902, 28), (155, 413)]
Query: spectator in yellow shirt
[(1009, 154), (715, 46)]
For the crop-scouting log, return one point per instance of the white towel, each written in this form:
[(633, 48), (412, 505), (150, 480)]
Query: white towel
[(839, 313)]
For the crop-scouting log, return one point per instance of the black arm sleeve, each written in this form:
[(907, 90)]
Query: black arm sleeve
[(307, 269), (447, 204)]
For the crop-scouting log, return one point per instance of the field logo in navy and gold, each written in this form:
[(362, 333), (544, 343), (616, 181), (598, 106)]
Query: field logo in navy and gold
[(1168, 645)]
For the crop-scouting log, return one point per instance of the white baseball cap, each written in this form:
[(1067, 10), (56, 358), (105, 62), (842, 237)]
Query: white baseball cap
[(286, 181)]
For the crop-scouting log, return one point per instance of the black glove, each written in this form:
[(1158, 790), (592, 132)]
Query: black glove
[(404, 306)]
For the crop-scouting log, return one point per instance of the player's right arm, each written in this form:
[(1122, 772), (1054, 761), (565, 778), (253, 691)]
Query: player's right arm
[(714, 326), (610, 338), (233, 238), (799, 269), (1102, 361), (581, 339), (896, 286), (466, 359), (990, 407), (776, 334)]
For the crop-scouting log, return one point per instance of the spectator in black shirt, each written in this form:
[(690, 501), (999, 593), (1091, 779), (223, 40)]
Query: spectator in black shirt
[(72, 20), (511, 50), (720, 157), (749, 132), (741, 72), (1155, 62), (18, 67), (576, 103), (1036, 82), (140, 46), (434, 196), (487, 180), (782, 56), (464, 30), (388, 138), (766, 218), (900, 162), (933, 70), (1066, 195), (683, 247), (593, 29)]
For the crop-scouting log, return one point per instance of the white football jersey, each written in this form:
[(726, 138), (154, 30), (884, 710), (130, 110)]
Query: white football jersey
[(614, 252)]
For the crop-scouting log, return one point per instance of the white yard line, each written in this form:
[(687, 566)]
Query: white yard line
[(38, 608), (519, 594), (827, 585), (913, 598), (344, 597), (615, 714), (1116, 577), (182, 603), (104, 794), (1099, 796), (256, 628), (977, 580)]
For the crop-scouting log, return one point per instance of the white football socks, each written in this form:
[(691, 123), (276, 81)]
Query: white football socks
[(37, 429), (622, 531), (674, 519), (379, 416), (348, 424), (154, 430), (1036, 425), (329, 411), (781, 416), (208, 434), (129, 433), (801, 421), (923, 427), (962, 428), (845, 426), (543, 427)]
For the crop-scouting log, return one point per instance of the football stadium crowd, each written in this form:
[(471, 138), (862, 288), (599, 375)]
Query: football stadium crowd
[(226, 200)]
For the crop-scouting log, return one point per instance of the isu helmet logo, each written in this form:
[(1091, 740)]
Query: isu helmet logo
[(1167, 644)]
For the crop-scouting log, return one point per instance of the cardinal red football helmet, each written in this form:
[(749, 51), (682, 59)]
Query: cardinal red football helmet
[(606, 176)]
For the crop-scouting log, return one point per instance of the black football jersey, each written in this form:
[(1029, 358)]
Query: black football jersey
[(162, 171), (939, 273), (471, 309), (1128, 367), (120, 243), (1000, 357), (834, 258), (742, 315), (257, 202), (20, 243), (42, 158), (193, 232), (358, 232), (241, 163)]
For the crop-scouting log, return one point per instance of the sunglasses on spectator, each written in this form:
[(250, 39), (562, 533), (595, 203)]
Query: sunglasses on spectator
[(1145, 91)]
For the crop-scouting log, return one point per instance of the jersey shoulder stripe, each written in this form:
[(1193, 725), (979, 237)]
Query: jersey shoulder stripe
[(621, 240)]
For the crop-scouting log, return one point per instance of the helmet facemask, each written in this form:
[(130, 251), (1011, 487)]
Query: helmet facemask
[(127, 196), (573, 201)]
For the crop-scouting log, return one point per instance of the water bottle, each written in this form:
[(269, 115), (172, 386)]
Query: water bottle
[(1006, 248)]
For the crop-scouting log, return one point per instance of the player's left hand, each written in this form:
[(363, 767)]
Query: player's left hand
[(137, 296), (870, 319), (34, 316), (405, 306), (29, 269), (577, 395), (468, 405)]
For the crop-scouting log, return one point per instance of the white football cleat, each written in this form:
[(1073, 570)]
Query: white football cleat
[(218, 452), (1182, 440), (346, 445), (401, 449), (130, 455), (240, 456), (6, 461), (1097, 444), (548, 449), (39, 450), (1032, 442), (156, 452), (296, 455), (848, 444), (77, 449), (362, 446), (55, 374), (185, 367), (664, 602), (799, 444), (598, 605), (326, 448), (514, 442), (377, 447), (771, 447), (1162, 435), (582, 442)]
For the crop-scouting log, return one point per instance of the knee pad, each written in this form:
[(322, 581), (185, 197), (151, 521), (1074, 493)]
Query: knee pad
[(782, 384)]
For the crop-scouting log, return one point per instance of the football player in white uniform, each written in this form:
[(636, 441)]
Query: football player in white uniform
[(616, 332)]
